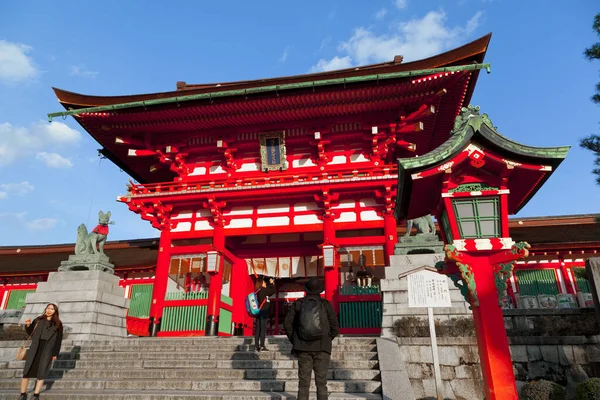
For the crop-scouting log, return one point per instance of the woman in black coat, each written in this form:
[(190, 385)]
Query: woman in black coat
[(46, 338)]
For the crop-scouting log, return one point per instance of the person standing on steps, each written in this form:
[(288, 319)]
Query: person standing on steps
[(311, 325), (46, 333), (263, 291)]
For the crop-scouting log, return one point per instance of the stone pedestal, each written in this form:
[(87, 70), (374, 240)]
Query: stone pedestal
[(87, 262), (420, 244), (92, 306), (395, 292)]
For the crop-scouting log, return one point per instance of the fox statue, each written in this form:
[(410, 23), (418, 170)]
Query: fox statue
[(424, 225), (93, 243)]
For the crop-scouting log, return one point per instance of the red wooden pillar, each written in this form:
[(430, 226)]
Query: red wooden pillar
[(159, 290), (391, 236), (568, 278), (332, 274), (240, 287), (494, 351), (216, 286)]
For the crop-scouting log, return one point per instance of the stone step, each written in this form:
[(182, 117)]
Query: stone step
[(212, 364), (209, 341), (285, 374), (216, 355), (56, 394), (202, 347), (265, 385)]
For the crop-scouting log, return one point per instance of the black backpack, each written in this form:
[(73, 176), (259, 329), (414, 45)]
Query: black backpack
[(312, 320)]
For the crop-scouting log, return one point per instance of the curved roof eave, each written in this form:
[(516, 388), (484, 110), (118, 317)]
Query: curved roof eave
[(470, 52), (469, 126), (458, 141)]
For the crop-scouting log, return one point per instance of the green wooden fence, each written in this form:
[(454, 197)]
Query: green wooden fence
[(357, 290), (141, 297), (536, 281), (189, 318), (583, 285), (186, 296), (16, 299), (360, 314)]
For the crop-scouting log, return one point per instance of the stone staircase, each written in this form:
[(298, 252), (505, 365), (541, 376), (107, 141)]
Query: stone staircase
[(196, 368)]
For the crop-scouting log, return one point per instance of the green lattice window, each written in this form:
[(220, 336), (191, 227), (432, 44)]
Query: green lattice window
[(536, 281), (477, 217), (16, 299), (446, 227), (583, 285)]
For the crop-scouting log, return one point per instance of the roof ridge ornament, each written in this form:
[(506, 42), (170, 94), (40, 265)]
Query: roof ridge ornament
[(470, 116)]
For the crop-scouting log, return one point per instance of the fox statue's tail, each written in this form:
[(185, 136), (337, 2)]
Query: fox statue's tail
[(82, 243)]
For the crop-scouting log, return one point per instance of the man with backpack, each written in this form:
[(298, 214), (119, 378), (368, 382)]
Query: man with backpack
[(311, 325)]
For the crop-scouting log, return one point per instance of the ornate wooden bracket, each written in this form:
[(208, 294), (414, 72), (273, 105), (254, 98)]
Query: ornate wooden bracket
[(216, 211), (171, 157), (504, 265), (387, 197), (158, 214), (464, 279), (320, 142), (503, 272), (326, 200), (227, 151), (174, 160)]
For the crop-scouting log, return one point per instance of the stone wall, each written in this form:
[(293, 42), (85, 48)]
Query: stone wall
[(565, 360), (395, 292)]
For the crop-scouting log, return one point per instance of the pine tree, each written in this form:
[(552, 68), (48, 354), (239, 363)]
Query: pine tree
[(592, 142)]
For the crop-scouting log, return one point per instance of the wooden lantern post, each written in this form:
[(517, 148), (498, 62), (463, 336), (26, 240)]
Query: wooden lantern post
[(480, 177)]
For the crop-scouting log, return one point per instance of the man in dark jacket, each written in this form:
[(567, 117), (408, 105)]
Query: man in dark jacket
[(313, 355)]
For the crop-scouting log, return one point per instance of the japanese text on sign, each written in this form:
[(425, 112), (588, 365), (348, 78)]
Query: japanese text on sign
[(428, 289)]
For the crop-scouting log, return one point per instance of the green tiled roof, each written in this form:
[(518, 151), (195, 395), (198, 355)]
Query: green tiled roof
[(470, 126), (469, 123)]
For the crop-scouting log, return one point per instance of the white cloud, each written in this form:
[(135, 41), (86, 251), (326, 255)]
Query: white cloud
[(18, 142), (381, 13), (15, 64), (41, 224), (77, 70), (324, 43), (13, 220), (413, 39), (284, 56), (19, 189), (54, 160), (333, 64), (473, 23), (401, 4), (57, 132)]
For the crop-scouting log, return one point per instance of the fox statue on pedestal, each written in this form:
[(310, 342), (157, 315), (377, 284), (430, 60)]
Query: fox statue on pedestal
[(88, 243)]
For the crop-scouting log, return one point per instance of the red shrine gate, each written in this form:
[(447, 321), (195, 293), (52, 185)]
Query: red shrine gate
[(278, 176), (245, 178)]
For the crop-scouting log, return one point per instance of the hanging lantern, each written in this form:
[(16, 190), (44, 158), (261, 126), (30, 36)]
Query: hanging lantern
[(328, 256), (213, 261)]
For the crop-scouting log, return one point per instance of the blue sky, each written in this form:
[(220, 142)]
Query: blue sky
[(51, 179)]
